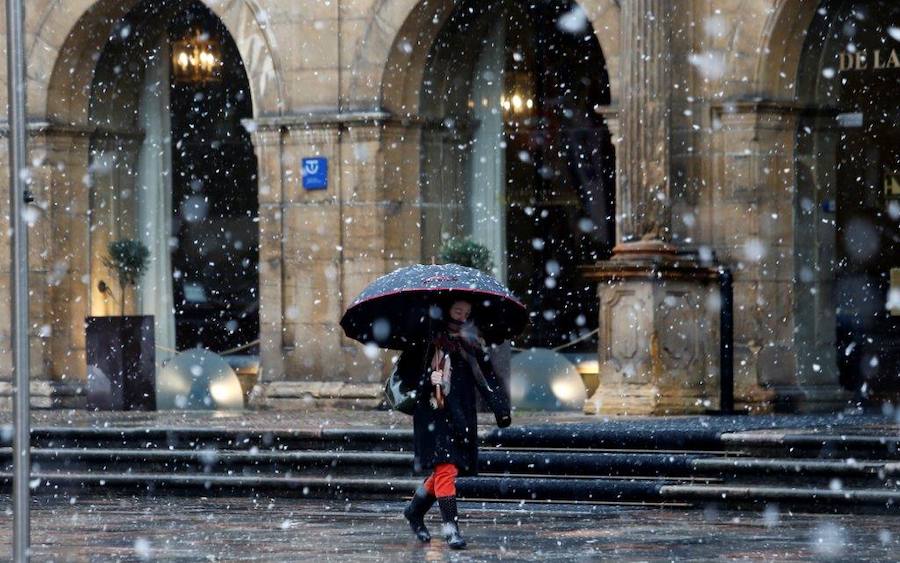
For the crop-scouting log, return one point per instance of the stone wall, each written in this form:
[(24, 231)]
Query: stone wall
[(340, 79)]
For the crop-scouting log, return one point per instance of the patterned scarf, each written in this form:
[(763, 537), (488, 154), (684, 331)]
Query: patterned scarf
[(463, 339)]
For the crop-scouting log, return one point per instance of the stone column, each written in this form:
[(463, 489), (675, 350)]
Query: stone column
[(318, 248), (815, 233), (658, 340), (57, 258), (785, 355), (67, 159), (401, 158), (267, 143), (645, 114), (312, 249)]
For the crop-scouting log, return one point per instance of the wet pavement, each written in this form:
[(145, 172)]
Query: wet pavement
[(102, 528), (179, 527)]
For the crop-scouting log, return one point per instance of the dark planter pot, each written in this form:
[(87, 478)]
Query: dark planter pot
[(121, 361)]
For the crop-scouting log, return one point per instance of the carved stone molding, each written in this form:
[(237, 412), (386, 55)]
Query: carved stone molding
[(680, 341), (659, 338), (623, 336)]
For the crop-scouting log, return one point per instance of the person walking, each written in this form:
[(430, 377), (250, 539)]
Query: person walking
[(446, 370)]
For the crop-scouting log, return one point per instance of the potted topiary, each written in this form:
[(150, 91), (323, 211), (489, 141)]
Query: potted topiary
[(121, 352), (127, 260), (467, 252)]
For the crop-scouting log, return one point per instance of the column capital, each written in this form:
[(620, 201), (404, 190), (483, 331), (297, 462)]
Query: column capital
[(611, 116)]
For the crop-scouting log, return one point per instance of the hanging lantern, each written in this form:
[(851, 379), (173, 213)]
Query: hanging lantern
[(196, 58), (518, 101)]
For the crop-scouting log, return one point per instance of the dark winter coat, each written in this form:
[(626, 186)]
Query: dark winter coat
[(450, 434)]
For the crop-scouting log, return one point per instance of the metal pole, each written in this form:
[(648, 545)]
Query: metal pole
[(18, 197), (726, 342)]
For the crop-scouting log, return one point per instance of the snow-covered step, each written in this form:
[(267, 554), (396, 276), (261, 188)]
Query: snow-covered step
[(814, 444), (493, 461), (470, 488), (795, 466), (806, 496)]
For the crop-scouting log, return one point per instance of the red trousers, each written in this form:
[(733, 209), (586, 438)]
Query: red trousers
[(442, 482)]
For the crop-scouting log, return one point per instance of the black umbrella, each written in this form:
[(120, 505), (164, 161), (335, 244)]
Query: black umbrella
[(397, 310)]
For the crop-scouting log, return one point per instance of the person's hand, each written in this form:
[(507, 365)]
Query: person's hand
[(437, 377)]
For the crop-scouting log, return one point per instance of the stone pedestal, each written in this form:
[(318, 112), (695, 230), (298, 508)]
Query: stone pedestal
[(659, 334)]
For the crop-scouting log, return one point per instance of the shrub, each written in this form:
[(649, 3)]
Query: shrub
[(127, 260), (467, 252)]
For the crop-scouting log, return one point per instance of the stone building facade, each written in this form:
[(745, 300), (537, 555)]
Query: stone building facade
[(712, 108)]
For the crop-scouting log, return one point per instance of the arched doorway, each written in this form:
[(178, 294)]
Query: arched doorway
[(848, 175), (517, 156), (173, 166)]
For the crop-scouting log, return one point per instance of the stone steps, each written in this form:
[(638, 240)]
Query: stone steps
[(223, 439), (672, 466), (615, 464), (494, 461), (825, 446), (491, 460), (790, 496), (469, 488)]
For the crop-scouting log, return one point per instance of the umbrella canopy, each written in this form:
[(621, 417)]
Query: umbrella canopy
[(397, 310)]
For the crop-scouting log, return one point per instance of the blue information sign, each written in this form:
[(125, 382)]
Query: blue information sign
[(315, 173)]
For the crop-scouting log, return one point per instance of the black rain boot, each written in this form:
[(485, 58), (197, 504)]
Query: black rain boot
[(451, 523), (415, 513)]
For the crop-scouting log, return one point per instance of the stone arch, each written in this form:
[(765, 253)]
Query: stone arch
[(77, 31), (784, 35), (387, 71), (419, 55), (390, 60)]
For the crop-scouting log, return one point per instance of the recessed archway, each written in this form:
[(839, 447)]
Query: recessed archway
[(516, 154), (97, 67), (173, 166), (848, 162)]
